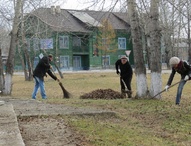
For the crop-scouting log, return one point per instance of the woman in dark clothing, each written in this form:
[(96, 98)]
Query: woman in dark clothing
[(40, 71), (184, 69), (126, 74)]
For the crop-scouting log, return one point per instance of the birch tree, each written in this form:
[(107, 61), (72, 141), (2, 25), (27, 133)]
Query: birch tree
[(155, 41), (140, 70), (13, 43)]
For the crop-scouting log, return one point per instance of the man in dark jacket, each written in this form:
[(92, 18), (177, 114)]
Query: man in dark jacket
[(40, 71), (126, 74), (184, 69)]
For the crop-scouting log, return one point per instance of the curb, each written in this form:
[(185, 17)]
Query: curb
[(9, 130)]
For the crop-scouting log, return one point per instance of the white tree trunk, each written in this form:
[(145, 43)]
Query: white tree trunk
[(8, 84), (140, 69), (156, 84), (155, 39), (141, 86)]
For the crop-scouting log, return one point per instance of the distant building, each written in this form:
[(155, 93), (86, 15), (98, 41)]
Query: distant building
[(71, 36)]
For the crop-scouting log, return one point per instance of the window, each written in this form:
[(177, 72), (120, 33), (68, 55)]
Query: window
[(64, 62), (35, 43), (76, 41), (46, 43), (106, 60), (122, 43), (64, 42)]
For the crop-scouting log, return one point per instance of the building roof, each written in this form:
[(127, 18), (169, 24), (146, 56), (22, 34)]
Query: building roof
[(85, 18), (79, 20)]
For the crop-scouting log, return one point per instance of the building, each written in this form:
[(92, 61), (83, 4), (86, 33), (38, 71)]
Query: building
[(72, 37)]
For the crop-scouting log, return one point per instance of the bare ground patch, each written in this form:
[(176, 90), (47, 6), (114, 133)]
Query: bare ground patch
[(48, 131)]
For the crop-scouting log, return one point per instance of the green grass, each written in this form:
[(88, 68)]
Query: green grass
[(138, 122)]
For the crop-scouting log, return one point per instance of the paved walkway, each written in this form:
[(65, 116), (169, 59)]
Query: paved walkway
[(9, 130)]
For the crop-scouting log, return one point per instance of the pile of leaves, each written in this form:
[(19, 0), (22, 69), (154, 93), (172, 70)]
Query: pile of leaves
[(102, 94)]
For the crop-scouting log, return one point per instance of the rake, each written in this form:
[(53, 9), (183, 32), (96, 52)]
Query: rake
[(66, 94), (168, 88)]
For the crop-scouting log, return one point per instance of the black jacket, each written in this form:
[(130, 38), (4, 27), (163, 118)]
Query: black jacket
[(42, 68), (125, 69), (183, 69)]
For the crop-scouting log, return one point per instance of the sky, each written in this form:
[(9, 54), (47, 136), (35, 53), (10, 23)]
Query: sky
[(71, 4), (84, 4)]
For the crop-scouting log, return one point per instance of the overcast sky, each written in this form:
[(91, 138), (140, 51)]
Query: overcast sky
[(84, 4), (71, 4)]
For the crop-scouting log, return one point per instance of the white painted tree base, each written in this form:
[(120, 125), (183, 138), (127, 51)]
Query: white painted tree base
[(142, 89)]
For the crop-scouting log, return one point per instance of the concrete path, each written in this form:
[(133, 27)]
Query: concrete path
[(9, 131)]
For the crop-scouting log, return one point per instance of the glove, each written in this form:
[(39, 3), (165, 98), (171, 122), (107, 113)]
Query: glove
[(58, 80), (186, 77), (117, 72), (166, 87)]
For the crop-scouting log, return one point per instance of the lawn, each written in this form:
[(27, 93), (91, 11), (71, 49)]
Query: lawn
[(138, 122)]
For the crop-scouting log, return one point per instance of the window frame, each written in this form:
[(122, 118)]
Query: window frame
[(122, 43), (62, 61), (64, 43)]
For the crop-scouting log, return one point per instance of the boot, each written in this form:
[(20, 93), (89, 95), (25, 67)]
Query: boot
[(123, 94), (129, 94)]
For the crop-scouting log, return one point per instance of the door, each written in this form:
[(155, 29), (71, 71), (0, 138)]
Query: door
[(77, 62)]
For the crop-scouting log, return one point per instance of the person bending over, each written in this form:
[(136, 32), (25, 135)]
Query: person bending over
[(40, 71), (184, 69), (126, 74)]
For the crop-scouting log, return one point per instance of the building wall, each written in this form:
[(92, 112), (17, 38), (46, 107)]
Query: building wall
[(88, 58)]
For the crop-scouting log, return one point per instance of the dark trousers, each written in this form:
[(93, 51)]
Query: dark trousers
[(125, 81)]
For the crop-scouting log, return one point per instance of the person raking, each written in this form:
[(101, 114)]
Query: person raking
[(184, 69), (39, 73), (126, 74)]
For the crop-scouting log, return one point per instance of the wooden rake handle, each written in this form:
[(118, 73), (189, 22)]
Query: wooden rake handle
[(168, 88)]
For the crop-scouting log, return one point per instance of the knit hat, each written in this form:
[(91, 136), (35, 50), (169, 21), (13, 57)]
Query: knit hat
[(174, 61), (123, 57)]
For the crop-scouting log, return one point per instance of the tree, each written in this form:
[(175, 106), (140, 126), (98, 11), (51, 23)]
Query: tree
[(13, 43), (155, 41), (140, 69), (106, 40), (25, 58)]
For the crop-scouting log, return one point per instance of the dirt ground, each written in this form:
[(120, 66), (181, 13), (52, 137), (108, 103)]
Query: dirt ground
[(48, 131), (40, 123)]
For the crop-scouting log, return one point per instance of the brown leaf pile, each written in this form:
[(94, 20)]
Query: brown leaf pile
[(102, 94)]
